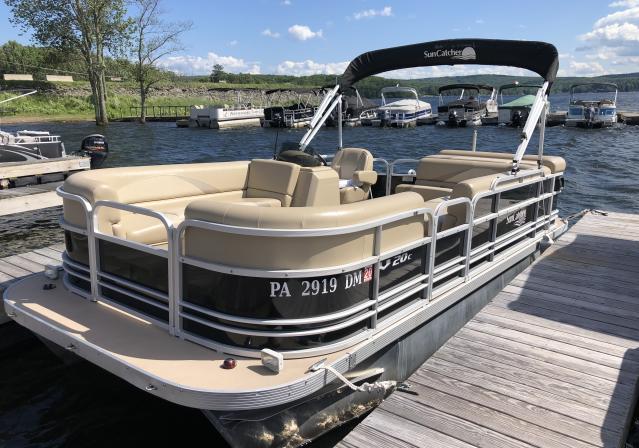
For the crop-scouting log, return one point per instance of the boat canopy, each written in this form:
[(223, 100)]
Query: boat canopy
[(466, 86), (539, 57), (522, 101), (519, 86)]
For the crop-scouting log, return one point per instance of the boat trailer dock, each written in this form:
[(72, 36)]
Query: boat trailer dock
[(551, 361)]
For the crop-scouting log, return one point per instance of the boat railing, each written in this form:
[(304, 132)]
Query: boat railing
[(496, 223)]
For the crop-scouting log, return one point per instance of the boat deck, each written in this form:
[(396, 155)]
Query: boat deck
[(552, 361)]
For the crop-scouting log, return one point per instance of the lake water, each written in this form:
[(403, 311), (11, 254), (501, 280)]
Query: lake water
[(46, 403)]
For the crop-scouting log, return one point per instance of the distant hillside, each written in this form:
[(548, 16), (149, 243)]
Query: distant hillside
[(371, 86)]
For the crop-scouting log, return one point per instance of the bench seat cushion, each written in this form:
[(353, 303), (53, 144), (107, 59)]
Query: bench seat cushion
[(427, 192)]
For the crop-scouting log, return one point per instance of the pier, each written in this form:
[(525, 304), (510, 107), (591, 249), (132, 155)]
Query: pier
[(34, 171), (551, 361), (29, 198)]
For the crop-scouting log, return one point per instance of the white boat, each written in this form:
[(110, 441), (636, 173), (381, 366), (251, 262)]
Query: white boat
[(284, 299), (401, 113), (240, 113), (590, 112), (468, 109)]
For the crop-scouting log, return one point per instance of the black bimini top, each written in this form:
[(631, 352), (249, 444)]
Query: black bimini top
[(539, 57), (465, 86)]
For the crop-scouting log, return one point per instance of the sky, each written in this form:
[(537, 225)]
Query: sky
[(300, 37)]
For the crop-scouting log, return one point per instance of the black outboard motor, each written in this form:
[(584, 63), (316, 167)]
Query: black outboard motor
[(589, 115), (517, 119), (453, 120), (96, 147)]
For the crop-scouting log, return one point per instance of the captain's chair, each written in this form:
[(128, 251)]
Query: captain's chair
[(354, 167)]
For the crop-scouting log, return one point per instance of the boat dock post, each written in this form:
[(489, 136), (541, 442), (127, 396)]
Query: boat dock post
[(551, 361)]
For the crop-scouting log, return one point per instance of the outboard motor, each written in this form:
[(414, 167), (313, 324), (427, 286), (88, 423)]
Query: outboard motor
[(517, 119), (589, 115), (453, 120), (96, 147)]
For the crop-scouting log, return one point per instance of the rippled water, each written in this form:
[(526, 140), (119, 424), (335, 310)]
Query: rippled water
[(45, 403)]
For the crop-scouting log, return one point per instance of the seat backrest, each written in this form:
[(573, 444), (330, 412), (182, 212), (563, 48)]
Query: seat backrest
[(556, 164), (349, 160), (445, 172), (272, 179), (316, 186)]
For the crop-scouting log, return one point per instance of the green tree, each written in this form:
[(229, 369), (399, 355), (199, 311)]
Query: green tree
[(154, 39), (92, 27), (217, 73)]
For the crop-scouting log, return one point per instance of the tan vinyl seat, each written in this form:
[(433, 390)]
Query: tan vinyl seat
[(354, 165), (274, 252), (555, 164), (270, 183)]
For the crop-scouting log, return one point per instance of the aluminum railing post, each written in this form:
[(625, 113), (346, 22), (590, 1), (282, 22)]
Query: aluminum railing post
[(377, 246)]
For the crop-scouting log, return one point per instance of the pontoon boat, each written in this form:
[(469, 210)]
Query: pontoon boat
[(356, 111), (282, 298), (515, 112), (240, 113), (296, 115), (591, 112), (467, 109), (402, 112)]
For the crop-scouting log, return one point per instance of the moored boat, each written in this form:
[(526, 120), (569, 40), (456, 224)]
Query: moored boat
[(586, 111), (239, 113), (283, 298), (515, 112), (467, 109), (402, 112)]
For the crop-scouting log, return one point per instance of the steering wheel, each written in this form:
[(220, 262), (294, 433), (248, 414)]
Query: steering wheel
[(319, 157), (302, 158)]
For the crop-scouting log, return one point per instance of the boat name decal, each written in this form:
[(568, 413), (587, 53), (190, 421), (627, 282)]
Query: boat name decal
[(467, 54), (518, 218)]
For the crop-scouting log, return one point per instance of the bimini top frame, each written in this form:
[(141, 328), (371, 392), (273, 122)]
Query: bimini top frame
[(600, 85), (477, 87), (539, 57)]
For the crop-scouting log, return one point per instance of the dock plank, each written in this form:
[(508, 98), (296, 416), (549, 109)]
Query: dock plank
[(551, 361)]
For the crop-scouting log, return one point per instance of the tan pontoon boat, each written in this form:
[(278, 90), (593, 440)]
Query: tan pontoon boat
[(285, 298)]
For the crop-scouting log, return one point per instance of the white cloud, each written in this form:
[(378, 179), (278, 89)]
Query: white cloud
[(586, 68), (303, 32), (386, 11), (267, 32), (233, 43), (196, 65), (613, 33), (309, 67), (612, 42), (286, 2), (624, 4), (626, 15), (479, 21)]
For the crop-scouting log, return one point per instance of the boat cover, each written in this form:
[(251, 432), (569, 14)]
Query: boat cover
[(539, 57), (522, 101)]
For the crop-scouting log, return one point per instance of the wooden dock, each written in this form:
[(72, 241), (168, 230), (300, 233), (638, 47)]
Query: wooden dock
[(10, 172), (26, 199), (15, 267), (551, 361)]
